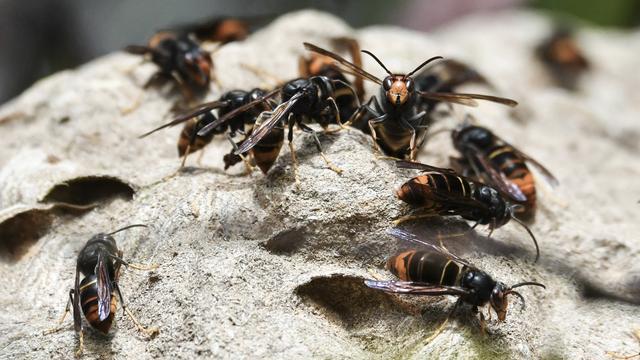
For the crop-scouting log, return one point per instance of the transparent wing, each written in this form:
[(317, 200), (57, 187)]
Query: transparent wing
[(543, 170), (278, 114), (455, 204), (104, 288), (413, 238), (403, 164), (415, 288), (351, 68), (466, 99), (494, 177), (197, 111), (235, 112)]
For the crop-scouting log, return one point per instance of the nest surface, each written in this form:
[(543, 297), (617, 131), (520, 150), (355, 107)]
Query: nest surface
[(252, 267)]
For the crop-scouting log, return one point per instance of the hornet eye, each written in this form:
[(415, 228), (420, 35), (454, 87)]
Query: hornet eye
[(387, 83), (409, 83)]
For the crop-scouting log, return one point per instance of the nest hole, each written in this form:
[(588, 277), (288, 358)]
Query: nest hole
[(286, 242), (348, 301), (380, 323), (22, 231), (89, 190)]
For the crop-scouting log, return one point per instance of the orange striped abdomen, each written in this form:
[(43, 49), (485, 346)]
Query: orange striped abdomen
[(525, 181), (185, 138), (418, 191), (424, 266), (268, 148), (508, 162), (89, 304)]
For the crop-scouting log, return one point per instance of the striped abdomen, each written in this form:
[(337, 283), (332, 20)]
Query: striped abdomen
[(89, 304), (425, 266), (418, 191), (513, 166), (187, 134), (266, 151)]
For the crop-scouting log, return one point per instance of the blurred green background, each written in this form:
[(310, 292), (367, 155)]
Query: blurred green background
[(40, 37), (618, 13)]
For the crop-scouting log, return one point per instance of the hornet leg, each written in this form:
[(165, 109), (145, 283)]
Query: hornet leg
[(309, 130), (149, 331), (294, 158), (372, 123), (335, 105), (81, 345), (412, 217), (441, 327), (184, 158), (136, 266), (184, 89), (413, 148), (64, 316), (246, 161), (491, 228), (200, 156), (338, 120), (362, 110)]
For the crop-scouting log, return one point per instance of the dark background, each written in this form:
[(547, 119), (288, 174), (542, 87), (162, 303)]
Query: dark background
[(39, 37)]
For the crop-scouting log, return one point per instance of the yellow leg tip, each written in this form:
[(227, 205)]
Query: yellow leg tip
[(81, 346), (146, 267), (437, 332), (402, 220), (151, 331), (248, 168)]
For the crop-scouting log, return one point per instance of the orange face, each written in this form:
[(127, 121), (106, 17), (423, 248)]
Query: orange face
[(199, 67), (398, 88), (499, 301), (204, 64), (159, 37), (565, 51), (502, 312), (231, 30)]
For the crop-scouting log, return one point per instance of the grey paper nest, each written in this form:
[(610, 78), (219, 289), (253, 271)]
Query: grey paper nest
[(252, 267)]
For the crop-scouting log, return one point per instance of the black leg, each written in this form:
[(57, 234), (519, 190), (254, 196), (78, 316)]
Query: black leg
[(374, 135), (294, 160), (412, 143), (376, 105), (337, 112), (355, 95), (491, 228), (229, 160), (291, 121), (364, 109), (313, 133)]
